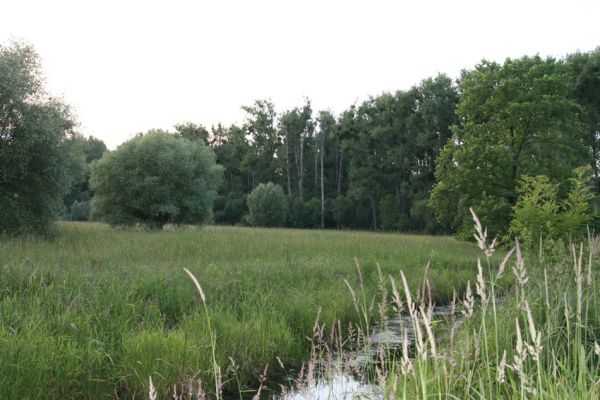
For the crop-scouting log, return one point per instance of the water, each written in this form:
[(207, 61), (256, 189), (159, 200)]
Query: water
[(340, 383), (340, 386)]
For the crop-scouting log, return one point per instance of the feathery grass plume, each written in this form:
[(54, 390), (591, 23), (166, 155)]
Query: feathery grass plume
[(536, 337), (381, 369), (151, 389), (480, 284), (519, 269), (396, 297), (468, 302), (521, 352), (426, 317), (409, 302), (481, 236), (202, 297), (504, 262), (406, 366), (502, 369), (354, 300), (360, 275), (213, 341), (597, 349), (419, 344), (383, 305)]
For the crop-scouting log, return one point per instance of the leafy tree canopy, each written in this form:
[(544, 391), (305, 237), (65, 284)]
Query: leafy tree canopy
[(155, 179), (515, 119), (38, 160)]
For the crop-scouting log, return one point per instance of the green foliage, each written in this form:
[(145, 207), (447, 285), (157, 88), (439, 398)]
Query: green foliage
[(267, 205), (585, 70), (577, 207), (92, 150), (192, 132), (80, 211), (389, 214), (536, 213), (155, 179), (539, 213), (37, 159), (516, 119), (229, 209)]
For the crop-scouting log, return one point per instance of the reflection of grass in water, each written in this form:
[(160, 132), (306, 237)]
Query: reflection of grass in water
[(96, 311)]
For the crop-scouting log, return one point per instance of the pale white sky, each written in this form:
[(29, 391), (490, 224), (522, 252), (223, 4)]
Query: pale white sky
[(128, 66)]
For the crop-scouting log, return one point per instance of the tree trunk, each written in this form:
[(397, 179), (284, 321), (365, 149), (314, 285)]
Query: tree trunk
[(322, 154), (287, 162), (301, 170), (374, 210), (316, 164), (339, 185), (337, 154)]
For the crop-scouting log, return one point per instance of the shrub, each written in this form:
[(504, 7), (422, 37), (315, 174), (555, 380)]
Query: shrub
[(578, 213), (539, 213), (155, 179), (536, 211), (267, 205)]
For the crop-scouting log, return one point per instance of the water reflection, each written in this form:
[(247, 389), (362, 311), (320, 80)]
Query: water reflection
[(341, 384)]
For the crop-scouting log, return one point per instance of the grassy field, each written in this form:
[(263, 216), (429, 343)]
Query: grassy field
[(95, 311)]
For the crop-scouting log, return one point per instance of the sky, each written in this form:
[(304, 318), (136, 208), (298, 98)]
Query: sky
[(129, 66)]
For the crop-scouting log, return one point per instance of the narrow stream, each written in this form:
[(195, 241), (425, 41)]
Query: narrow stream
[(341, 383)]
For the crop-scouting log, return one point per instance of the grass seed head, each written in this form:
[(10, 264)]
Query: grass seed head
[(202, 297)]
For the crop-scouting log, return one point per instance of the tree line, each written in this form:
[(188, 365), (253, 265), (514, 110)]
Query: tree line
[(413, 161)]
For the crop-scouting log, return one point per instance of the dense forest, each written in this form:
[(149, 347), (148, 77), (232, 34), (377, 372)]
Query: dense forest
[(412, 161), (376, 165)]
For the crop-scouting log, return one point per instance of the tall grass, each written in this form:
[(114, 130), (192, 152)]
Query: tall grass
[(96, 312), (534, 336)]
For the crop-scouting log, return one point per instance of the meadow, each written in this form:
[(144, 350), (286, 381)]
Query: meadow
[(94, 312)]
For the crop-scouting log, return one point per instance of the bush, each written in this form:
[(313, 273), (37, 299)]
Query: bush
[(155, 179), (578, 213), (536, 211), (539, 213), (267, 205)]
